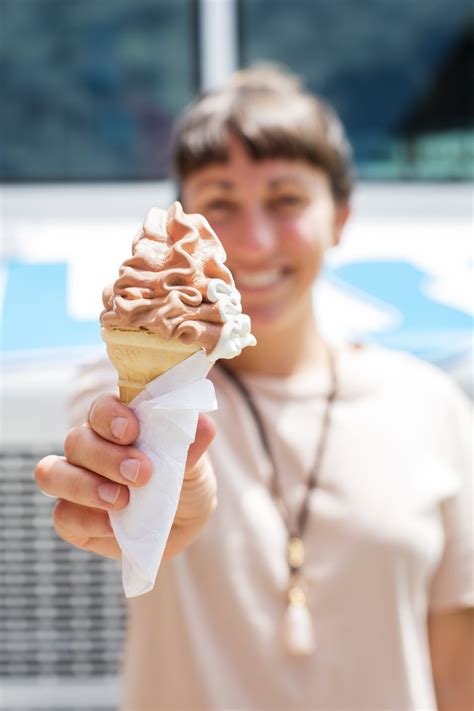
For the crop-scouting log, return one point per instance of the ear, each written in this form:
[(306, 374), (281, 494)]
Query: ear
[(343, 212)]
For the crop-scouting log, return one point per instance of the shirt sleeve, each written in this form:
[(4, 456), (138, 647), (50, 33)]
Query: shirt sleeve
[(453, 582)]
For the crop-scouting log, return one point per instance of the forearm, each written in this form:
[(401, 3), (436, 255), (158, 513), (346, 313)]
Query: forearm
[(455, 693), (452, 650)]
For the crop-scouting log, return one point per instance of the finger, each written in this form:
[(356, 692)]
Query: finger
[(113, 420), (85, 528), (58, 477), (73, 521), (120, 463), (205, 433), (107, 547)]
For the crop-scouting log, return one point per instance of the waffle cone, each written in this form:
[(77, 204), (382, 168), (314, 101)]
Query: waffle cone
[(139, 357)]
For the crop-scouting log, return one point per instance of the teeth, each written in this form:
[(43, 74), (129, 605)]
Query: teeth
[(258, 279)]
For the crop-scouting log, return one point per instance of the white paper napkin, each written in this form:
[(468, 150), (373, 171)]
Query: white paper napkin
[(168, 412)]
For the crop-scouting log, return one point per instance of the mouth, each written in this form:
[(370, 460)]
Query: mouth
[(260, 280)]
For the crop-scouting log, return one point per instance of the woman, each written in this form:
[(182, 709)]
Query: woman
[(342, 472)]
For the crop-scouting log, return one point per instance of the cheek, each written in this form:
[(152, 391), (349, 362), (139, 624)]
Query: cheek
[(227, 231), (228, 241), (306, 242)]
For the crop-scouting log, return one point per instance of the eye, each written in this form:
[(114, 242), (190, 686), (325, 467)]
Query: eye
[(288, 203), (219, 208)]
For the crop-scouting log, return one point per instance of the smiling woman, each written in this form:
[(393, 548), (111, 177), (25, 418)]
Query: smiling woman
[(335, 570)]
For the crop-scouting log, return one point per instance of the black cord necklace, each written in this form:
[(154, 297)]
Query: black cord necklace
[(298, 626)]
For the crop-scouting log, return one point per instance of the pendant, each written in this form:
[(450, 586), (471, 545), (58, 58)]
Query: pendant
[(295, 553), (298, 628)]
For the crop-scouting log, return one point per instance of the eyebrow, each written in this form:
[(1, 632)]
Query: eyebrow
[(277, 182), (229, 185), (215, 183)]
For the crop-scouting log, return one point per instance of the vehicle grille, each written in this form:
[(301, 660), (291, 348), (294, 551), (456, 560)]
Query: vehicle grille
[(61, 609)]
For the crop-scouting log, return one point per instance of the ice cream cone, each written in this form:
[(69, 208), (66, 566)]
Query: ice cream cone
[(139, 357)]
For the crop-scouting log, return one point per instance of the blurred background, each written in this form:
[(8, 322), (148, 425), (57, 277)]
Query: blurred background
[(90, 92)]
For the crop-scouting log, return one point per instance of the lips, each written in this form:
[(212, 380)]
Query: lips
[(259, 280)]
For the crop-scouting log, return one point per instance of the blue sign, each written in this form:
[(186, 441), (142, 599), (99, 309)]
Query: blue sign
[(420, 324), (35, 312)]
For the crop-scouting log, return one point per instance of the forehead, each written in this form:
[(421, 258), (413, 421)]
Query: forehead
[(241, 170)]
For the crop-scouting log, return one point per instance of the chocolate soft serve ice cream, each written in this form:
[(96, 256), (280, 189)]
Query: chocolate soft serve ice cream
[(173, 297)]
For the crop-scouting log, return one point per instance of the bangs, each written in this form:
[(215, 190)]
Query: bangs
[(267, 128), (200, 139), (274, 129), (269, 124)]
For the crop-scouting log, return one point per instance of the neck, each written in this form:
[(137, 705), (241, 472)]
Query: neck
[(281, 353)]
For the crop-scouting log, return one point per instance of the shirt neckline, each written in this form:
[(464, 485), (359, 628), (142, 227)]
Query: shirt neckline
[(350, 370)]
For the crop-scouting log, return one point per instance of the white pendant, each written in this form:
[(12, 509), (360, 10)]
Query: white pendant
[(298, 630)]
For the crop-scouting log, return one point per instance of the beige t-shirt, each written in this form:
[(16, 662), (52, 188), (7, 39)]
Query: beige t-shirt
[(389, 537)]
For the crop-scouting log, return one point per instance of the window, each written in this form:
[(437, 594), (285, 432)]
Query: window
[(399, 73), (91, 88)]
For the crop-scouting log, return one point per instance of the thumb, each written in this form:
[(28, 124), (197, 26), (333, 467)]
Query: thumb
[(205, 433)]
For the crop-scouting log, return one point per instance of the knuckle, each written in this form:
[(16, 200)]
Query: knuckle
[(60, 519), (96, 408), (76, 486), (73, 440), (123, 498), (71, 523), (105, 406), (82, 520), (104, 400)]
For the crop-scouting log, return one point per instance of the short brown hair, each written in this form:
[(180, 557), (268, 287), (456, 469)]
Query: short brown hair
[(269, 110)]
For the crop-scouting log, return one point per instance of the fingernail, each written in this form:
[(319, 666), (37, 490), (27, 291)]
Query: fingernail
[(109, 492), (118, 426), (129, 469)]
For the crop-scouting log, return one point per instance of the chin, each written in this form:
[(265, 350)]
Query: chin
[(266, 319), (281, 315)]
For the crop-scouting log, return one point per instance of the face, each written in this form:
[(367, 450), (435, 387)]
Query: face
[(276, 218)]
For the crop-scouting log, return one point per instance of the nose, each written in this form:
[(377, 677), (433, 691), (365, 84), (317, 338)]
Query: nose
[(259, 234)]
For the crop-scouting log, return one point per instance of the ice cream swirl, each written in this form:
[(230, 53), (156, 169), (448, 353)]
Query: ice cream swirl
[(177, 286)]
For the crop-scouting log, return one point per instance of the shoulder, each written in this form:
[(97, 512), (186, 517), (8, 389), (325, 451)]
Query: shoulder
[(402, 372), (420, 395)]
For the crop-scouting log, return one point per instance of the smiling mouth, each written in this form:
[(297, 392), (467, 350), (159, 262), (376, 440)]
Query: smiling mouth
[(260, 280)]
